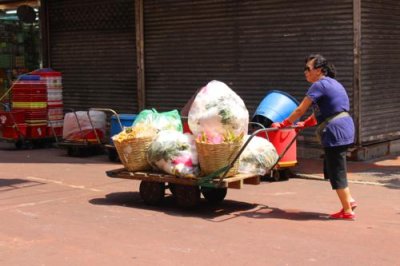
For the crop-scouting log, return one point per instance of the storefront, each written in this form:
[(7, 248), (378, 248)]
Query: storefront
[(20, 44), (92, 43), (129, 54)]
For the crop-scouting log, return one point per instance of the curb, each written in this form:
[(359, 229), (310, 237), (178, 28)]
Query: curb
[(318, 178)]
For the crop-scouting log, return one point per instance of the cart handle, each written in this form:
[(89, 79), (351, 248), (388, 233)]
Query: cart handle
[(111, 111), (208, 179)]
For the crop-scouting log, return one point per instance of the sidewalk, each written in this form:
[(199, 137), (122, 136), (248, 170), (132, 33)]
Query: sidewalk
[(384, 171)]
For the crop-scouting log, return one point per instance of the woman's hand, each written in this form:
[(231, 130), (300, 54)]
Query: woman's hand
[(285, 123), (309, 122)]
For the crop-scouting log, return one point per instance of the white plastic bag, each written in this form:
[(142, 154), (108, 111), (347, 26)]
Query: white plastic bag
[(217, 110), (175, 153), (71, 130), (258, 156)]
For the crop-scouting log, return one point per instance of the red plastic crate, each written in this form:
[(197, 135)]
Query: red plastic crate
[(39, 131), (29, 85), (29, 98), (11, 132), (29, 111), (28, 90), (57, 130), (6, 118), (36, 116)]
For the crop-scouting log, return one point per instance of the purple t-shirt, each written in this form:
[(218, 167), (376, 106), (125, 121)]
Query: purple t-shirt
[(329, 97)]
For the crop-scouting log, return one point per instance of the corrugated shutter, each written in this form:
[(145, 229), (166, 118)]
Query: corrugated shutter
[(253, 46), (380, 64), (93, 44)]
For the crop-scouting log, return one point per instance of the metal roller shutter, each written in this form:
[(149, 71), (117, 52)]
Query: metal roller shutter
[(93, 44), (253, 46), (380, 95)]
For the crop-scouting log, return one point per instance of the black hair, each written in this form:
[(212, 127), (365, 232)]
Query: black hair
[(320, 62)]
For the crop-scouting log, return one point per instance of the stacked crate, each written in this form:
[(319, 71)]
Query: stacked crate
[(55, 107), (29, 94)]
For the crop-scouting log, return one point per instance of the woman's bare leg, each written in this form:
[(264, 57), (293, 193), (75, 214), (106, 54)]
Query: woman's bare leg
[(345, 198)]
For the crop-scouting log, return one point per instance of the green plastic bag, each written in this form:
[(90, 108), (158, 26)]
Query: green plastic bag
[(170, 120)]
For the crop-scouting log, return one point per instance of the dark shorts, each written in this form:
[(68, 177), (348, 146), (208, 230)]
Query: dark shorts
[(335, 166)]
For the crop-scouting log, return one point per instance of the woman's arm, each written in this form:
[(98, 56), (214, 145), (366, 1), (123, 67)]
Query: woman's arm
[(300, 110)]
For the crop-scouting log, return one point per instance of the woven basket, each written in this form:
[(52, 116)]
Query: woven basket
[(213, 157), (133, 153)]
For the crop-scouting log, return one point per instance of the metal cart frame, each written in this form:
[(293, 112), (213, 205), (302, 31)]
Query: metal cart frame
[(81, 148)]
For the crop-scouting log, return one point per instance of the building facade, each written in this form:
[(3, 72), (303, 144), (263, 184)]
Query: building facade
[(135, 54)]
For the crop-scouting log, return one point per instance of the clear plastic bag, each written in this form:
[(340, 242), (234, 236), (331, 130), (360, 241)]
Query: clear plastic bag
[(258, 156), (174, 153), (218, 110), (74, 131)]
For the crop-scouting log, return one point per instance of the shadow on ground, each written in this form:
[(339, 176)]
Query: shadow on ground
[(393, 183), (16, 183), (226, 210)]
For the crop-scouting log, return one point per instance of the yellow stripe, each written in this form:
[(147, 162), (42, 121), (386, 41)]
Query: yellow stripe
[(30, 105), (287, 164)]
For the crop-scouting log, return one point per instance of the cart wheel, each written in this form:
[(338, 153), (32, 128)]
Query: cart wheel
[(112, 155), (187, 196), (214, 195), (71, 151), (19, 144), (280, 175), (152, 192), (172, 188), (22, 144), (29, 145)]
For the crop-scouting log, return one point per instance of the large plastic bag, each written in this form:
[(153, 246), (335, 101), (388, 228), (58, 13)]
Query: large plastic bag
[(85, 130), (170, 120), (258, 156), (174, 153), (218, 110)]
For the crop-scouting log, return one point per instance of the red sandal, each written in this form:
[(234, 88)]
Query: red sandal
[(343, 216)]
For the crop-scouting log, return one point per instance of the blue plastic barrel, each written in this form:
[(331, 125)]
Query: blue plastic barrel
[(275, 107), (126, 121)]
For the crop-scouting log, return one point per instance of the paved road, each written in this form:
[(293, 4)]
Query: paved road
[(58, 210)]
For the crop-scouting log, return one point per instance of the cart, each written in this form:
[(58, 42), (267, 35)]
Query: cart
[(14, 130), (84, 146), (187, 191), (110, 147), (281, 169)]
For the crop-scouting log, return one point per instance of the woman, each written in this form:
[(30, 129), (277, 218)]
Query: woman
[(330, 104)]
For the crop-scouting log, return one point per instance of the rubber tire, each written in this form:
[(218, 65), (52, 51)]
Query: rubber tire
[(280, 175), (113, 155), (214, 195), (72, 151), (152, 193), (171, 188), (186, 196), (19, 144)]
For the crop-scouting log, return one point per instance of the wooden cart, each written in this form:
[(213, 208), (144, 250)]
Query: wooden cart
[(185, 190)]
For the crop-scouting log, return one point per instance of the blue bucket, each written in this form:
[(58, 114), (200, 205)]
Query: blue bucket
[(126, 121), (275, 107)]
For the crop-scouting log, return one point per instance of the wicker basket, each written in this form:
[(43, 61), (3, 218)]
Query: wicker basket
[(133, 153), (213, 157)]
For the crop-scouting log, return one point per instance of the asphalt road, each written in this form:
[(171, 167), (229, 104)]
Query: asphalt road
[(60, 210)]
